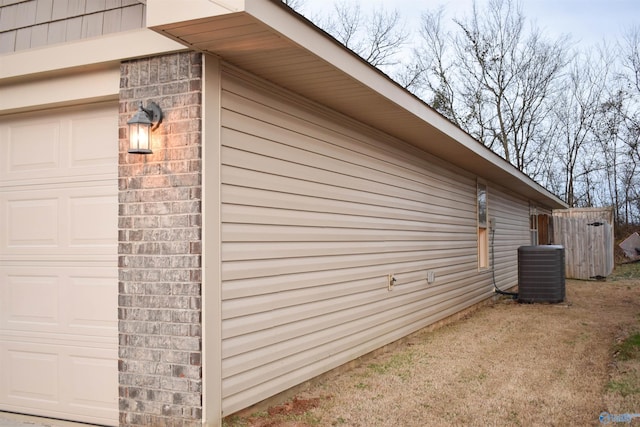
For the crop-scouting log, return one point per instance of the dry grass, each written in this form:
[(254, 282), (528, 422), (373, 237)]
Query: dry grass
[(507, 364)]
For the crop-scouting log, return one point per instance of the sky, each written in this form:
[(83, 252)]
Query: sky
[(587, 21)]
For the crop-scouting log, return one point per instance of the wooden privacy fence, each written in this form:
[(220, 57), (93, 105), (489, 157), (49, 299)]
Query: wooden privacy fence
[(587, 236)]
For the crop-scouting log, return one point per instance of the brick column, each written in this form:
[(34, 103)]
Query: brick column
[(160, 333)]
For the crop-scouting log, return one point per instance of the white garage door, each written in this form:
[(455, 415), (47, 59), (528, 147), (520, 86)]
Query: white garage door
[(58, 263)]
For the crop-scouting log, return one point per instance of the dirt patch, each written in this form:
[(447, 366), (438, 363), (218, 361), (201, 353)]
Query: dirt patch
[(507, 364), (297, 406), (293, 413)]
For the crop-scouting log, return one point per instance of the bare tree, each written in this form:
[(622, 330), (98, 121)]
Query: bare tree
[(622, 131), (632, 64), (378, 36), (631, 58), (495, 80), (607, 133), (410, 75), (631, 75), (569, 120), (297, 5), (436, 62), (576, 110)]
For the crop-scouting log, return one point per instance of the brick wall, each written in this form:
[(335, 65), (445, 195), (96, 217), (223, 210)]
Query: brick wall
[(159, 306)]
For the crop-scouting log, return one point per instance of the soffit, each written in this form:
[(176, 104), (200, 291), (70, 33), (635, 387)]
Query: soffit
[(308, 62)]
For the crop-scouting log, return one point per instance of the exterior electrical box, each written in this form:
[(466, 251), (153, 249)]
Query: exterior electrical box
[(541, 274)]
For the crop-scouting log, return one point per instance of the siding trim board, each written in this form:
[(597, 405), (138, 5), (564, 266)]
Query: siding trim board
[(211, 244)]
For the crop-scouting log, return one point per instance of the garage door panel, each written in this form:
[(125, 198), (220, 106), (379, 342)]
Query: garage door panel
[(84, 213), (63, 145), (58, 263), (91, 142), (32, 222), (30, 299), (76, 301), (73, 221), (46, 379), (32, 374), (32, 148), (96, 394), (92, 300)]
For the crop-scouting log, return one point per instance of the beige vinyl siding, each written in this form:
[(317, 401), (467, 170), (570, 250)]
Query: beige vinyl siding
[(33, 23), (317, 211), (511, 216)]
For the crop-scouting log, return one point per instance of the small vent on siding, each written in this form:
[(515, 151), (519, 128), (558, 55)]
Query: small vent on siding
[(541, 276)]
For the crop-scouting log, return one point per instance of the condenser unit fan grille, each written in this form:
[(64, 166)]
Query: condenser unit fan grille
[(541, 276)]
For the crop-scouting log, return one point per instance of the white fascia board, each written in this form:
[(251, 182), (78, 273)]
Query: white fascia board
[(111, 48), (166, 12)]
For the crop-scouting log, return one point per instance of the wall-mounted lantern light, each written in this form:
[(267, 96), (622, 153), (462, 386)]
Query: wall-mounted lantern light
[(140, 126)]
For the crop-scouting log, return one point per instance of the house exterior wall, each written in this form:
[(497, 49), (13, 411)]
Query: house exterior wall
[(511, 215), (160, 350), (317, 212), (26, 24)]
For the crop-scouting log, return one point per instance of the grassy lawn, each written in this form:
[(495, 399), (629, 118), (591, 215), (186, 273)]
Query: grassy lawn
[(622, 390), (626, 271)]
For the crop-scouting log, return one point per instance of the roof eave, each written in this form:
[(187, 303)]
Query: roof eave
[(268, 39)]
